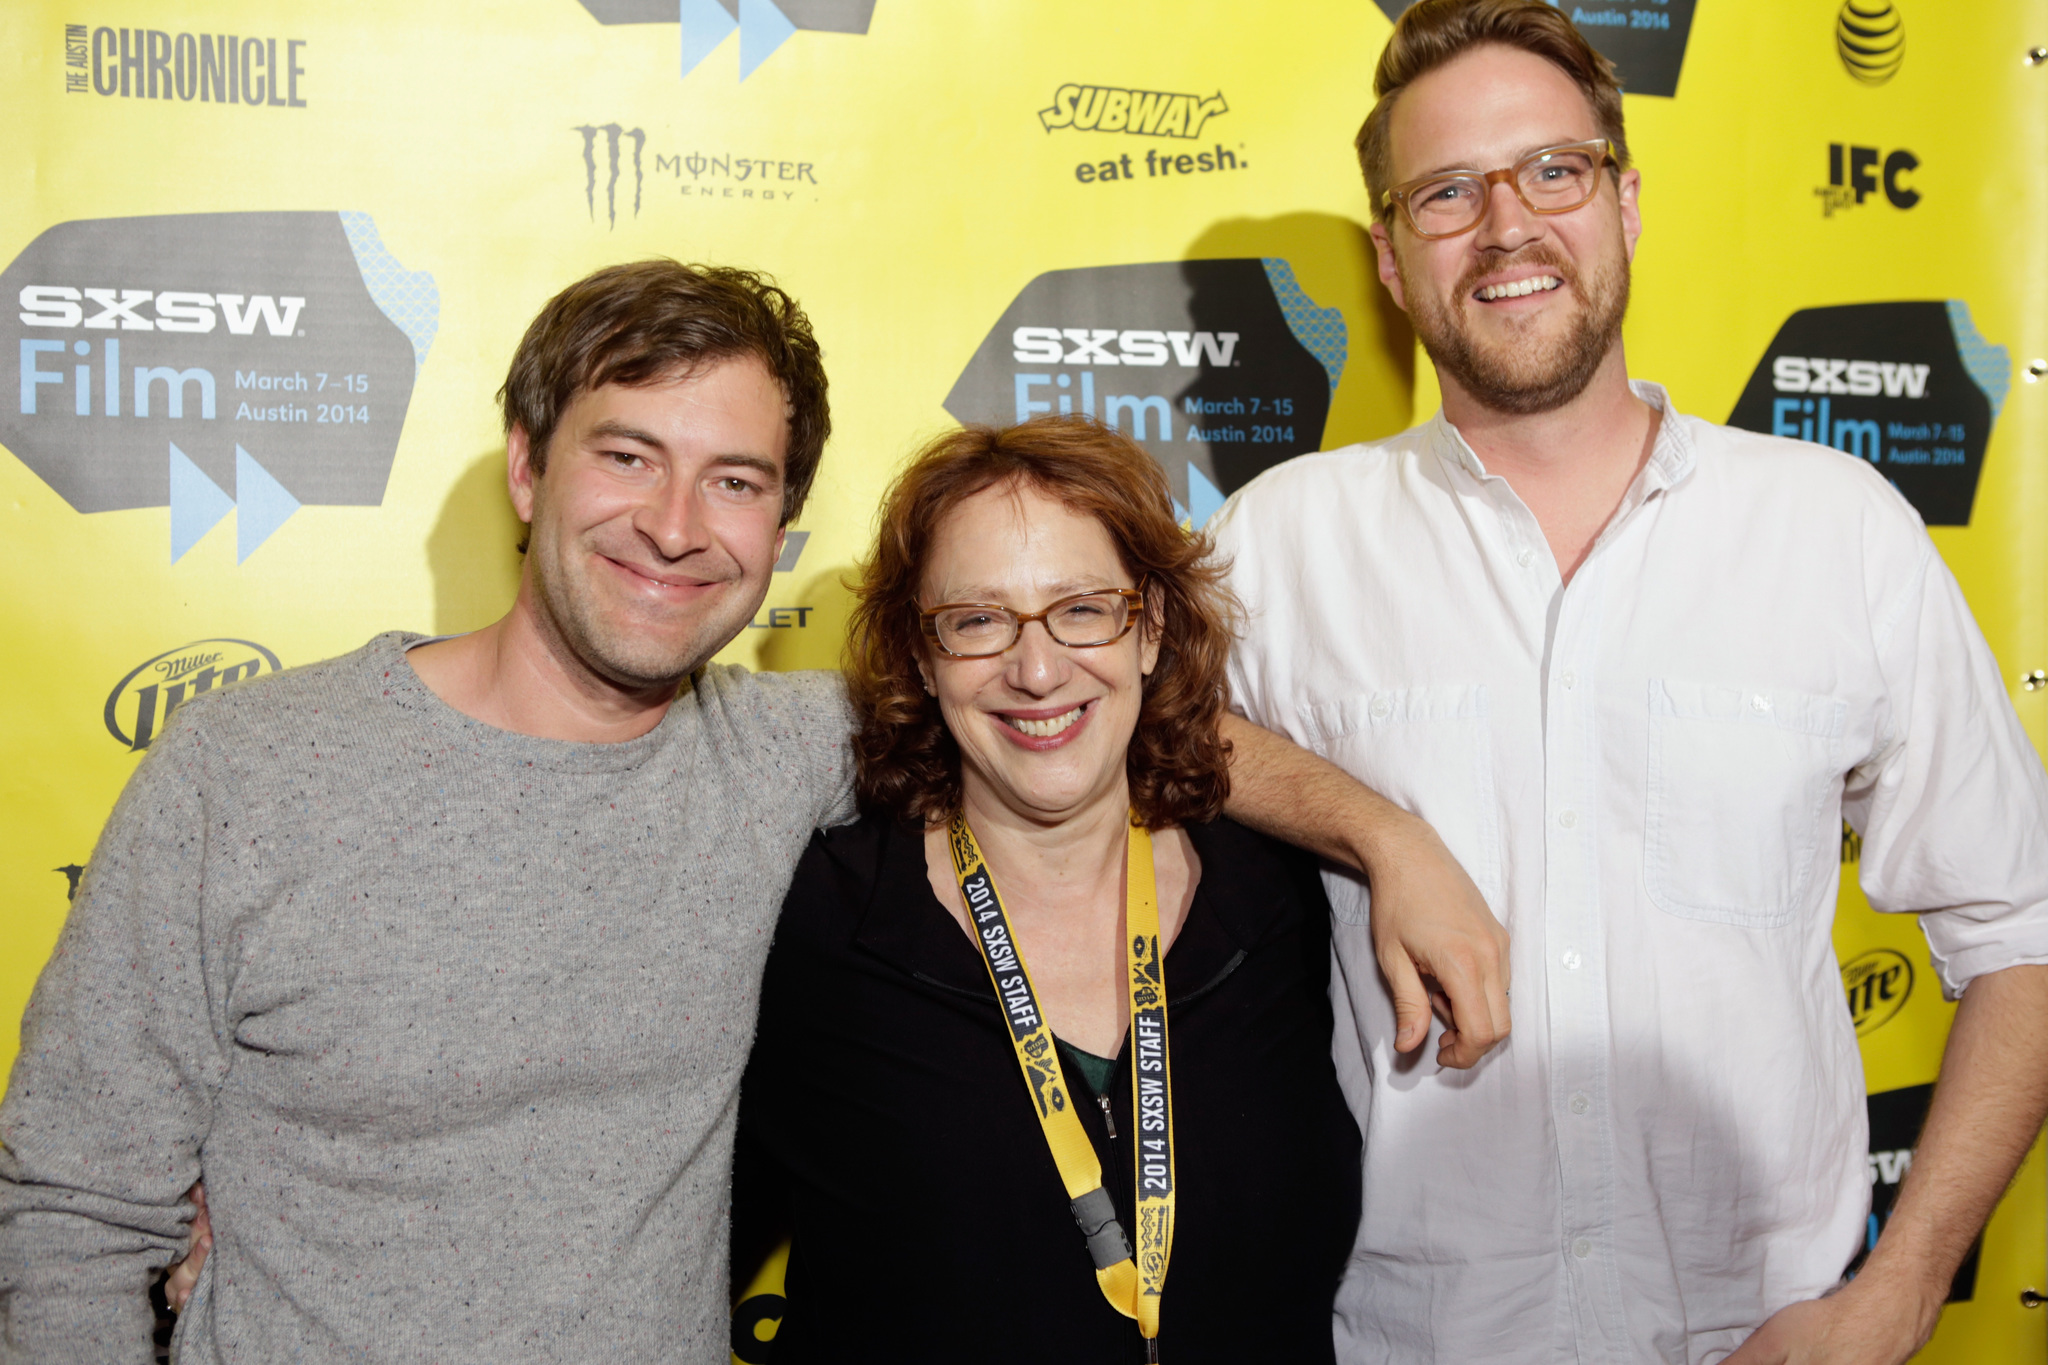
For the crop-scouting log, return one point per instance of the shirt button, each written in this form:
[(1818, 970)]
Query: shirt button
[(1571, 959), (1380, 709), (1760, 704), (1582, 1248), (1568, 819), (1526, 558), (1570, 679), (1580, 1104)]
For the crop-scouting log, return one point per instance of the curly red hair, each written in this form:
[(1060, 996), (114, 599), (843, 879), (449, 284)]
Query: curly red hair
[(1178, 763)]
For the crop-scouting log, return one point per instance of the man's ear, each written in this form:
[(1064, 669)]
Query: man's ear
[(519, 472), (1390, 269), (1631, 188)]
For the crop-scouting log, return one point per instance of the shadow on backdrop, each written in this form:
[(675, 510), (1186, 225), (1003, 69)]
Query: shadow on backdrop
[(1334, 264), (473, 550), (821, 641)]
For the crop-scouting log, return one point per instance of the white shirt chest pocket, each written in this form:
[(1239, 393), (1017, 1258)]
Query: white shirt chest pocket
[(1742, 782), (1428, 750)]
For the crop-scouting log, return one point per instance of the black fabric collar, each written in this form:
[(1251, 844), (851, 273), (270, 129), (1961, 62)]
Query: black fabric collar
[(904, 924)]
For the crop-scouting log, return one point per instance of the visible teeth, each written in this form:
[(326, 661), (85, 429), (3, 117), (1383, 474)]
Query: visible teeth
[(1046, 729), (1532, 285)]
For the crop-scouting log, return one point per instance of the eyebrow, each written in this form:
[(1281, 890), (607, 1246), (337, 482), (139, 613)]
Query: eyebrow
[(1529, 150), (1073, 587), (617, 430)]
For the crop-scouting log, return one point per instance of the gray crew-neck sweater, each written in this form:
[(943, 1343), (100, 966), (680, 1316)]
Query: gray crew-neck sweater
[(451, 1019)]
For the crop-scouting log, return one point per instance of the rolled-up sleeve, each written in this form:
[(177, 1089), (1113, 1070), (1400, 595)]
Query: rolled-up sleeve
[(1953, 806)]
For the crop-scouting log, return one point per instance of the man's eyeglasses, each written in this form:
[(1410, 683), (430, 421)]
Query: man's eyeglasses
[(976, 630), (1554, 180)]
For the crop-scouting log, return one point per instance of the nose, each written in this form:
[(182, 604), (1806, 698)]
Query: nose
[(1037, 664), (671, 520), (1508, 222)]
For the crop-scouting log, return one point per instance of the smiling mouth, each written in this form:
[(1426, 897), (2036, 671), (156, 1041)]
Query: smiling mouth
[(1535, 284), (1050, 726)]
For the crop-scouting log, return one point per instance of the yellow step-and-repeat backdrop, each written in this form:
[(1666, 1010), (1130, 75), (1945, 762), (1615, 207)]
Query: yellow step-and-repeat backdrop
[(263, 267)]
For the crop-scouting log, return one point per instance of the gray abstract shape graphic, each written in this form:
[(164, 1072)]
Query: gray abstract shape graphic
[(819, 16), (294, 335)]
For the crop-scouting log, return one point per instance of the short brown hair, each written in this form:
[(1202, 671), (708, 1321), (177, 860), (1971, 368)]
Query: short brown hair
[(1178, 763), (649, 320), (1430, 33)]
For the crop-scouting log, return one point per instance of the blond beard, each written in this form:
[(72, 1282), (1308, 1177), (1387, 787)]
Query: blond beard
[(1523, 380)]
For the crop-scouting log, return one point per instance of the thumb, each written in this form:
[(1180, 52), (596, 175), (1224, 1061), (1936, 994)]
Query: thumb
[(1411, 1001)]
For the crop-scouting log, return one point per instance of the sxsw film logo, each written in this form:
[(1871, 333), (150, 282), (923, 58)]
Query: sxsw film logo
[(1870, 38), (764, 25), (1878, 984), (142, 701), (1645, 39), (1221, 369), (1854, 173), (1143, 113), (1910, 387), (162, 360)]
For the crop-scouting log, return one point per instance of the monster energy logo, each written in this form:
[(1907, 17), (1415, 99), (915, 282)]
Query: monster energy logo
[(613, 134)]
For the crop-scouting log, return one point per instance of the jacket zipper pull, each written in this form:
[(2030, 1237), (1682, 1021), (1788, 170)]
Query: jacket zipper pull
[(1108, 1117)]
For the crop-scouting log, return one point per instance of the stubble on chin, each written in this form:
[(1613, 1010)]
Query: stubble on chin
[(1525, 376), (607, 644)]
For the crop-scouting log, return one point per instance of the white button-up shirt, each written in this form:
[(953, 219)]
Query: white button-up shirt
[(1645, 772)]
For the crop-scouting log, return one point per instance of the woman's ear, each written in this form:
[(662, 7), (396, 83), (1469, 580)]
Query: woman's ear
[(1152, 629)]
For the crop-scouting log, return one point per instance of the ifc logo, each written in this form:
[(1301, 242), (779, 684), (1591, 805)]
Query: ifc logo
[(1871, 38), (141, 702)]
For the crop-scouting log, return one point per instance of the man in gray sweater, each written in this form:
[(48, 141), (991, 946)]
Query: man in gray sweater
[(439, 961)]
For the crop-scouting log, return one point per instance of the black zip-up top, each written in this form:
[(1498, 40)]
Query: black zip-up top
[(884, 1122)]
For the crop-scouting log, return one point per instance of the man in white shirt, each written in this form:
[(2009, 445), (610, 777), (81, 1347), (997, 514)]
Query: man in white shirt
[(1636, 668)]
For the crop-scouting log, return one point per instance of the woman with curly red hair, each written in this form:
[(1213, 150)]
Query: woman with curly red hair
[(1043, 982)]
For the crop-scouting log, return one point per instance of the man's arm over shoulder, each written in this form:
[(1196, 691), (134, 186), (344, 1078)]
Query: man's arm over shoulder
[(801, 726), (111, 1096)]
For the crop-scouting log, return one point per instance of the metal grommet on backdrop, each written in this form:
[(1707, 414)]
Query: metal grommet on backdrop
[(2036, 56), (2032, 1298), (2036, 371), (2035, 680)]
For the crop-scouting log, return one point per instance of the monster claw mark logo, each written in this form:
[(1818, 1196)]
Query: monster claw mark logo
[(764, 25), (1870, 38), (72, 872), (613, 135), (141, 702), (155, 354)]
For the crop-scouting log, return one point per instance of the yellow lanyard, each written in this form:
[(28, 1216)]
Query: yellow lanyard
[(1132, 1286)]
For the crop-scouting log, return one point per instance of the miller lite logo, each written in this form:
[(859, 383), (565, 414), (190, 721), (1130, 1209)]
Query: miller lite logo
[(141, 702), (1877, 984)]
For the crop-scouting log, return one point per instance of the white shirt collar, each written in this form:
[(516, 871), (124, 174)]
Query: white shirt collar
[(1671, 461)]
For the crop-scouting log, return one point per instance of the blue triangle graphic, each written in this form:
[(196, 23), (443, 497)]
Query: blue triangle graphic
[(265, 505), (705, 24), (197, 504), (763, 28), (1206, 497), (1180, 513)]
